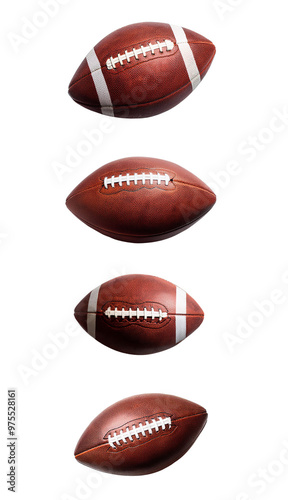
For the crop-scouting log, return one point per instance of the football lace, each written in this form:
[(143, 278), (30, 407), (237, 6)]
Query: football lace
[(136, 313), (136, 432), (135, 178), (143, 51)]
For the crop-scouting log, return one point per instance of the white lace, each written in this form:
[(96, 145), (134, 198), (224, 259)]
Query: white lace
[(137, 313), (154, 425), (112, 61), (130, 178)]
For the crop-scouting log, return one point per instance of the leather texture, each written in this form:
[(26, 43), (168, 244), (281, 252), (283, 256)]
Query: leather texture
[(141, 452), (144, 211), (140, 336), (145, 86)]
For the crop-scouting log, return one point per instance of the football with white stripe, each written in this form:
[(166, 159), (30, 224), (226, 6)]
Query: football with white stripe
[(139, 314), (141, 434), (140, 200), (141, 70)]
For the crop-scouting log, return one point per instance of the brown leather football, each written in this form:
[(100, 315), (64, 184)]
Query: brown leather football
[(141, 70), (141, 434), (140, 199), (139, 314)]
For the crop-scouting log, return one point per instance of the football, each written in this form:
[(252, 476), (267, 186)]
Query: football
[(140, 199), (141, 70), (139, 314), (141, 434)]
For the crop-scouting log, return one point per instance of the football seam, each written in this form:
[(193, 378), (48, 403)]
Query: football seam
[(175, 181), (139, 105), (147, 61), (173, 422), (199, 315), (122, 49)]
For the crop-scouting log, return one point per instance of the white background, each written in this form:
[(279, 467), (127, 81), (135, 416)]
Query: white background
[(234, 257)]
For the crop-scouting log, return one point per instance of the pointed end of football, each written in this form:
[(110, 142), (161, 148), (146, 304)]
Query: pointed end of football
[(82, 88), (194, 315)]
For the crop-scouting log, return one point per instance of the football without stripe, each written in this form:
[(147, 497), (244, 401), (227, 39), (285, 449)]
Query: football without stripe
[(140, 200), (141, 434), (139, 314), (142, 70)]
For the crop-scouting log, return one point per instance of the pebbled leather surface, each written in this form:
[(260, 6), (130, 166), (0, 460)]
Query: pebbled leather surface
[(147, 86), (139, 336), (150, 452), (141, 213)]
